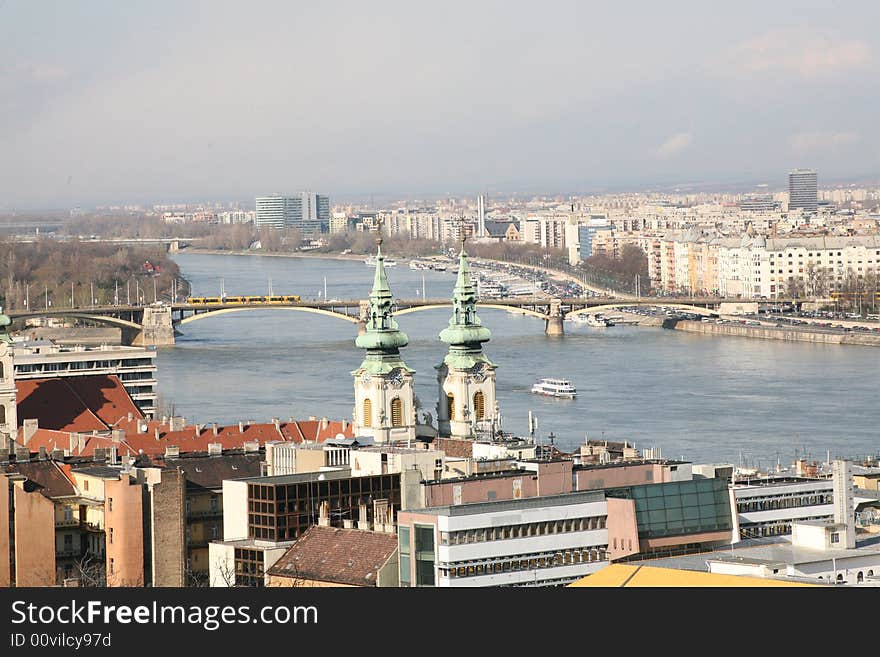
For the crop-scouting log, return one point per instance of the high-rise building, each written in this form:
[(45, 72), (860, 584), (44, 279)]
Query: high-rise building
[(802, 189), (481, 215), (307, 211)]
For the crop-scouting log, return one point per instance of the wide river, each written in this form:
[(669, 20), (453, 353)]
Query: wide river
[(701, 398)]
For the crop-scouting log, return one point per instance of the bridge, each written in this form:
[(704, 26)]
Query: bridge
[(157, 324)]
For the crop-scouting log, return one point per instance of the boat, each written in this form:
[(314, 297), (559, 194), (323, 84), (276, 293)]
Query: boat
[(596, 321), (371, 262), (554, 388)]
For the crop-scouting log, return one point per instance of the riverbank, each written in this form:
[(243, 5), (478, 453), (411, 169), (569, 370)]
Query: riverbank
[(322, 256), (788, 334)]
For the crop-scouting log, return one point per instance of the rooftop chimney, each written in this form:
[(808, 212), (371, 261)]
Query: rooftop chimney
[(172, 451), (178, 423), (251, 446), (324, 514), (41, 455), (130, 416), (214, 428), (277, 424), (29, 428), (215, 449), (157, 433), (363, 521), (240, 426), (324, 424), (117, 435)]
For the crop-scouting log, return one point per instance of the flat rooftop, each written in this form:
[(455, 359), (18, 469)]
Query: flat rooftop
[(768, 551), (513, 505)]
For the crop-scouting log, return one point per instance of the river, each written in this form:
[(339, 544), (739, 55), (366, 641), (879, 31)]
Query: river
[(700, 398)]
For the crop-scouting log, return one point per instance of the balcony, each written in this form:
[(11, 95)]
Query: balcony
[(204, 513), (66, 522)]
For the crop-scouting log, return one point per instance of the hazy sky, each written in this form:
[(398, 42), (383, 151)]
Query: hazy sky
[(104, 102)]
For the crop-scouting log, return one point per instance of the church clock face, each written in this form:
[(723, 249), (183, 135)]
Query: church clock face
[(479, 373), (396, 378), (366, 378)]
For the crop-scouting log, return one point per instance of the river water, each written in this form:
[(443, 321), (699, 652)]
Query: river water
[(701, 398)]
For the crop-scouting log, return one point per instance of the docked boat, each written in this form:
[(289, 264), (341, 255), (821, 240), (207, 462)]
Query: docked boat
[(555, 388), (371, 262)]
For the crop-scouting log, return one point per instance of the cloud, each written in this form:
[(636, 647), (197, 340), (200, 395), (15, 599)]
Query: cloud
[(674, 145), (803, 52), (814, 142)]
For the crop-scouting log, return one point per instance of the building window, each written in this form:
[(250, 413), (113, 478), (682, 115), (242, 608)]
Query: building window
[(450, 405), (396, 412), (111, 536), (109, 503), (479, 404), (367, 419), (111, 566), (835, 537), (2, 413)]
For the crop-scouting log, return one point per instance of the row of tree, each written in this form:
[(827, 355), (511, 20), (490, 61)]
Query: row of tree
[(56, 274)]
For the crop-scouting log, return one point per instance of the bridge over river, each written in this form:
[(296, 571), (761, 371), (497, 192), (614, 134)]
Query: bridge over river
[(156, 324)]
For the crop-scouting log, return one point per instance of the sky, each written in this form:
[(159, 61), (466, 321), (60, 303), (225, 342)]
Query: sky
[(107, 102)]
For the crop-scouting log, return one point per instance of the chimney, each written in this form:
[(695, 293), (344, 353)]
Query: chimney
[(22, 454), (324, 424), (172, 451), (41, 453), (29, 428), (344, 425), (215, 449), (324, 514), (312, 418), (57, 454), (81, 442), (157, 433), (164, 419), (214, 428), (277, 424), (251, 446), (178, 423), (117, 435), (363, 522), (240, 426), (130, 416), (114, 455)]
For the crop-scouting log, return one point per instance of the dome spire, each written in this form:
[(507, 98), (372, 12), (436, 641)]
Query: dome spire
[(465, 332), (382, 338)]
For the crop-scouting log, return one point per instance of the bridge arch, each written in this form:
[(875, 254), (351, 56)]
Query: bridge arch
[(306, 309), (708, 312), (101, 319), (510, 309)]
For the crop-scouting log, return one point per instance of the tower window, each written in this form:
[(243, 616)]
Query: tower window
[(367, 419), (450, 405), (479, 405), (2, 414), (396, 412)]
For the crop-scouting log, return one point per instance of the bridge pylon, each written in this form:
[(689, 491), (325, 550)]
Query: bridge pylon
[(157, 328), (363, 315), (555, 322)]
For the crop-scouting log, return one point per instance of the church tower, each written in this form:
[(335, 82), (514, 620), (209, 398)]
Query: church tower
[(466, 377), (8, 410), (383, 384)]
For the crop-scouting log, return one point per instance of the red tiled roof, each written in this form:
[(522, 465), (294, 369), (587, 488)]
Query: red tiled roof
[(49, 476), (84, 404), (340, 556)]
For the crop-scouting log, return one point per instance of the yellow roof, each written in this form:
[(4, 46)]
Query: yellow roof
[(620, 575)]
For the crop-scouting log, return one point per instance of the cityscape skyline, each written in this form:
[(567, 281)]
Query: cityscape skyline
[(512, 107)]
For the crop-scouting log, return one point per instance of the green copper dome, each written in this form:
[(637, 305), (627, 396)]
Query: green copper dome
[(382, 338), (4, 323), (465, 328), (465, 333)]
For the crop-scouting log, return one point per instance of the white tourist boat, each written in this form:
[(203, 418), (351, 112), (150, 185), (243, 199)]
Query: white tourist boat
[(555, 388)]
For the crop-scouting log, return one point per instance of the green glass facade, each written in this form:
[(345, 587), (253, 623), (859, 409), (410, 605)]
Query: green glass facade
[(680, 507)]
